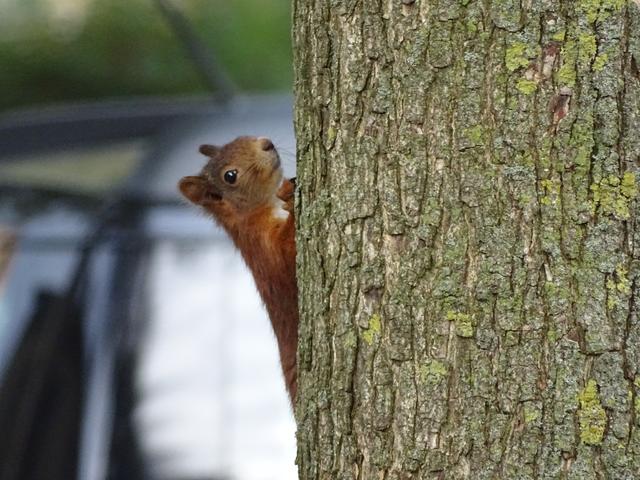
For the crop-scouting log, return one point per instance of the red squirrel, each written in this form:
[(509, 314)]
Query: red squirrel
[(243, 189)]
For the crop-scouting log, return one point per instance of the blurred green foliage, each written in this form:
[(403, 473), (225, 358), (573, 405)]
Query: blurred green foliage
[(120, 48)]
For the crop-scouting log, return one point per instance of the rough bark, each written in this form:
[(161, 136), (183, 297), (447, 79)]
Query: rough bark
[(468, 239)]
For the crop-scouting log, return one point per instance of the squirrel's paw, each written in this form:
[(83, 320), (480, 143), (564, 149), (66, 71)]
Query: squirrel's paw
[(286, 193)]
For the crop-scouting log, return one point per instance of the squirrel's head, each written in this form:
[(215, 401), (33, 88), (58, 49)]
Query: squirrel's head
[(243, 174)]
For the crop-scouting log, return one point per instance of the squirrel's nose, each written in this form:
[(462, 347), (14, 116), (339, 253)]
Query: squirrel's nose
[(266, 144)]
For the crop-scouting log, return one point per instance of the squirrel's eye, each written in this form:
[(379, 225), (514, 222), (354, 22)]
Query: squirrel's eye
[(230, 176)]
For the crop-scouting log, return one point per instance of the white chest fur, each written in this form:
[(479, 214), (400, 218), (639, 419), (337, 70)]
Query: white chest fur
[(278, 209)]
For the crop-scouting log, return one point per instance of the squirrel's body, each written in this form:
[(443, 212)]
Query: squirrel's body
[(242, 188)]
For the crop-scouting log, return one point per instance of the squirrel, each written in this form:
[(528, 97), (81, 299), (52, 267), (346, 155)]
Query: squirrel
[(242, 187)]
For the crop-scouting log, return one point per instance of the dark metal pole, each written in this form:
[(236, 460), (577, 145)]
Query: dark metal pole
[(212, 73)]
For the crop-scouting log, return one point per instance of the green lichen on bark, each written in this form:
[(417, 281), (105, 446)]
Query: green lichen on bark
[(531, 413), (618, 287), (567, 72), (527, 87), (600, 62), (550, 195), (433, 372), (613, 195), (592, 417), (600, 9), (515, 57), (463, 323), (372, 330), (587, 47), (475, 134)]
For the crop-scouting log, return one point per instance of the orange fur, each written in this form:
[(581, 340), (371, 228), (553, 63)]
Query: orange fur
[(247, 210)]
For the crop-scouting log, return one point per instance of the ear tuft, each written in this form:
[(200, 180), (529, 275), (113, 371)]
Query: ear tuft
[(209, 150)]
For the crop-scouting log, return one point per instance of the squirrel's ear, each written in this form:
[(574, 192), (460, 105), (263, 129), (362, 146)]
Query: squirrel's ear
[(209, 150), (197, 190)]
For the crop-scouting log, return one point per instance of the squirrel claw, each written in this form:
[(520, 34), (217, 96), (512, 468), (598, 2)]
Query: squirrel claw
[(286, 191)]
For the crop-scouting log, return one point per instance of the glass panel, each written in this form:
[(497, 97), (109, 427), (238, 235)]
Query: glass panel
[(212, 400)]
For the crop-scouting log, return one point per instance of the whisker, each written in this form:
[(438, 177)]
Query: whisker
[(252, 167)]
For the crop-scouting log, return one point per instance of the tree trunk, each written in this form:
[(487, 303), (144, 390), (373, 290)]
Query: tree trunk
[(468, 238)]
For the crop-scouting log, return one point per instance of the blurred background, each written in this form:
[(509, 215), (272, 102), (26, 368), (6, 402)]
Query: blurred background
[(69, 50), (132, 341)]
